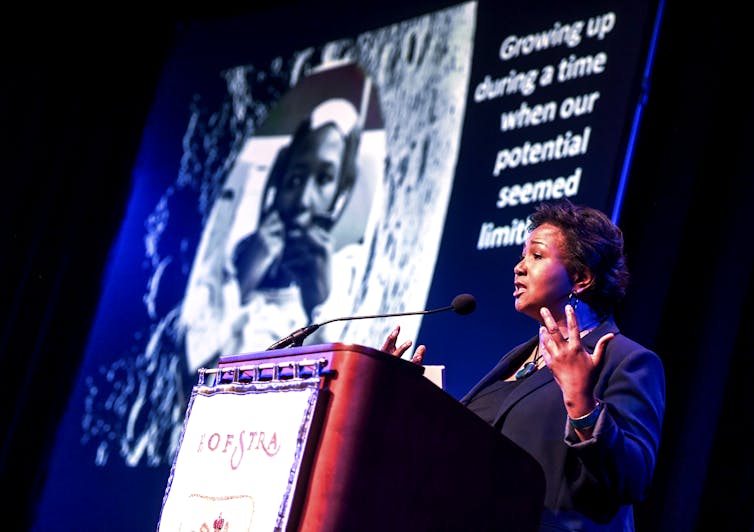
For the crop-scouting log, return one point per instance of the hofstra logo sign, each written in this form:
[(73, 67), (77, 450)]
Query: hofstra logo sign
[(236, 446)]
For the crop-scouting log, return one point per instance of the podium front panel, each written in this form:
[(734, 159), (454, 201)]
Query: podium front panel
[(239, 456), (387, 449)]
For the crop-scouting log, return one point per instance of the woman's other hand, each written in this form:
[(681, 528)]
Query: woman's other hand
[(390, 347)]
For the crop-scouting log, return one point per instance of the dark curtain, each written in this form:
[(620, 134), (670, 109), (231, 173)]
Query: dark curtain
[(689, 237), (75, 100)]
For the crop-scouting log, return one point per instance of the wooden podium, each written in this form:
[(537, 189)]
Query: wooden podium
[(388, 450)]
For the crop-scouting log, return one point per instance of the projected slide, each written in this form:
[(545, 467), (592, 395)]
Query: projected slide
[(340, 174)]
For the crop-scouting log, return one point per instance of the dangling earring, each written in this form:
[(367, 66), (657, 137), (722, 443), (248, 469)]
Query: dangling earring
[(573, 300)]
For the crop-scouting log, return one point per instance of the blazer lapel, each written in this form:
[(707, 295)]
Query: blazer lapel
[(501, 367), (529, 385)]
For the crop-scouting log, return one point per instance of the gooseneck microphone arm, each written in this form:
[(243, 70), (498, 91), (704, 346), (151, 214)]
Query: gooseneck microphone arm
[(462, 304)]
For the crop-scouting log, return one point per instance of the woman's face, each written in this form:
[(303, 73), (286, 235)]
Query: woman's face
[(540, 277), (310, 182)]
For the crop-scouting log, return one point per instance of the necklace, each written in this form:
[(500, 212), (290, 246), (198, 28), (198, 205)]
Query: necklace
[(530, 367), (533, 365)]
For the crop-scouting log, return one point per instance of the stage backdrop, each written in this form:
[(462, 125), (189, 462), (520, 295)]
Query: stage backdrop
[(460, 119)]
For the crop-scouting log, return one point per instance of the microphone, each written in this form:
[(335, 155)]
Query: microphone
[(462, 304)]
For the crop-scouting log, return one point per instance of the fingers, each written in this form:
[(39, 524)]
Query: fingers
[(548, 334), (553, 343), (272, 225), (392, 338), (418, 357), (315, 242), (550, 325), (389, 345), (399, 351), (600, 347), (312, 238), (572, 322)]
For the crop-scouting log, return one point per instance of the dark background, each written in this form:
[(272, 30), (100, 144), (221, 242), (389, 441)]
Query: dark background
[(71, 129)]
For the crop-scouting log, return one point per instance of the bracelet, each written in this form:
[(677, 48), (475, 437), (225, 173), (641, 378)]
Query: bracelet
[(587, 421)]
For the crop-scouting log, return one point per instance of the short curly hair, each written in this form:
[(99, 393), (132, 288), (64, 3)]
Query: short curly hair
[(592, 242)]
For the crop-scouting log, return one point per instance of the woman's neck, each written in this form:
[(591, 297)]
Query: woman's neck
[(588, 319), (586, 316)]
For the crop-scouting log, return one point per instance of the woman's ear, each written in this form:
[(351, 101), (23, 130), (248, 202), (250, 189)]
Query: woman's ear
[(582, 281)]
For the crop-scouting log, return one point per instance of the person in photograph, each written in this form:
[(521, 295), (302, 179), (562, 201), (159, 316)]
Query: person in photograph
[(287, 240), (287, 263), (311, 181)]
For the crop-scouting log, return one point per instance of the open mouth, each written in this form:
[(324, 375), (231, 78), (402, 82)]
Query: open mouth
[(518, 289)]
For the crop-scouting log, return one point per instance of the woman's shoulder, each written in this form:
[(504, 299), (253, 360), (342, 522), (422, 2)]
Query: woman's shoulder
[(620, 341), (627, 353)]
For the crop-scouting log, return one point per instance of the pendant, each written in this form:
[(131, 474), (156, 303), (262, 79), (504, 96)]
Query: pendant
[(528, 369)]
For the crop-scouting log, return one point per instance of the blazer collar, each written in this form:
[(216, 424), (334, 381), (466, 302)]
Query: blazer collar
[(605, 326)]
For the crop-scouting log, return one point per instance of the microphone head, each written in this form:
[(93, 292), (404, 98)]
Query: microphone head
[(463, 304)]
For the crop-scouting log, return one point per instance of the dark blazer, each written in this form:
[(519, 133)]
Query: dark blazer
[(590, 485)]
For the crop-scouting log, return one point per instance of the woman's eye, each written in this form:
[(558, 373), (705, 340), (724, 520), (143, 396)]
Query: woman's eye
[(295, 178), (323, 178)]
